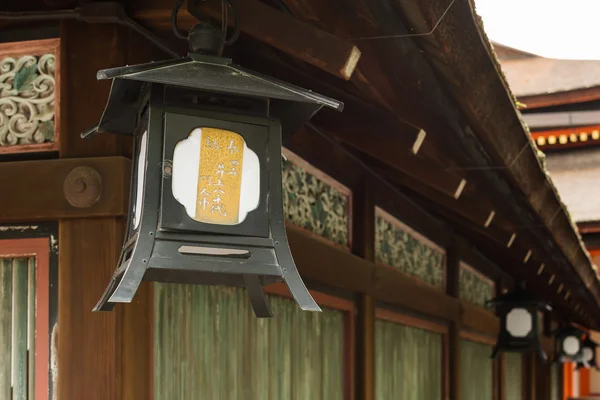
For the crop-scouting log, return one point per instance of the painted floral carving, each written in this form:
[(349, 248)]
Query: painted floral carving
[(27, 99), (404, 250), (474, 287), (312, 204)]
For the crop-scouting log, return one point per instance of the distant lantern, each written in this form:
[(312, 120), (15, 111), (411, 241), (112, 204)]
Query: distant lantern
[(569, 344), (519, 330), (587, 358), (206, 195)]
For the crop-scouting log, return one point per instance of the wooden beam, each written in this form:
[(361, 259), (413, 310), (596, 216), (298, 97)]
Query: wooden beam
[(288, 34), (36, 189), (349, 272), (479, 319)]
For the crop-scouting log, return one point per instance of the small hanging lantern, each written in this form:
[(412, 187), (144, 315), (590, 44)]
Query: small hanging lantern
[(569, 344), (206, 195), (587, 358), (519, 330)]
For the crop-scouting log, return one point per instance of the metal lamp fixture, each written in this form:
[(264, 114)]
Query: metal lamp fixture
[(587, 358), (519, 330), (569, 344), (206, 192)]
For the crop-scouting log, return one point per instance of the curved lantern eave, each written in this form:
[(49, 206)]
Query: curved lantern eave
[(169, 245)]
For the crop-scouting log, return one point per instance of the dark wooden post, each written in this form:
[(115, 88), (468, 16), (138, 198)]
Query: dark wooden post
[(363, 245), (101, 355), (501, 362), (453, 289)]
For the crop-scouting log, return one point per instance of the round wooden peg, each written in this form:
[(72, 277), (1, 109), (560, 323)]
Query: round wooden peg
[(83, 187)]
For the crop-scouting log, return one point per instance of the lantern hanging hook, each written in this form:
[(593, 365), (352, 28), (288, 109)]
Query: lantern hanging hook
[(225, 6)]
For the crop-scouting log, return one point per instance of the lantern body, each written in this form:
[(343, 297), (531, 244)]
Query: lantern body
[(206, 194), (519, 330), (587, 357), (569, 344)]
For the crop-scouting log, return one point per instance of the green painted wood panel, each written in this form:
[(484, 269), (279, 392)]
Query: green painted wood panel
[(315, 204), (31, 327), (513, 376), (5, 327), (398, 246), (209, 345), (19, 329), (476, 371), (408, 363), (474, 287)]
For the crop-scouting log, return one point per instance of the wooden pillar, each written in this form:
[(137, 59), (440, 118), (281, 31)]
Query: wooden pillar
[(453, 289), (101, 355), (363, 245)]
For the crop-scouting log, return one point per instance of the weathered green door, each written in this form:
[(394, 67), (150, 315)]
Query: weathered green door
[(209, 345)]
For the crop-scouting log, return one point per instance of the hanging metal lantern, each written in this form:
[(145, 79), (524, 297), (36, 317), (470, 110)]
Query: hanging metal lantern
[(587, 357), (206, 194), (569, 344), (519, 330)]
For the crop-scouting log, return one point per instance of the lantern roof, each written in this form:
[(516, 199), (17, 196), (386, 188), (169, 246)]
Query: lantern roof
[(519, 296), (292, 104), (217, 74)]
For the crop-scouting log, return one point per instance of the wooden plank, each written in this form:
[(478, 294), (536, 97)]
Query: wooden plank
[(19, 323), (5, 327), (288, 34), (49, 202)]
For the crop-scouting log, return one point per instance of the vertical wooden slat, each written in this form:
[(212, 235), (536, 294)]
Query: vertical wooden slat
[(363, 245), (19, 319), (31, 313), (5, 327)]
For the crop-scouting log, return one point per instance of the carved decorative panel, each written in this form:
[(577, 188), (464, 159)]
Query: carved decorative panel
[(474, 286), (315, 201), (399, 246), (29, 96)]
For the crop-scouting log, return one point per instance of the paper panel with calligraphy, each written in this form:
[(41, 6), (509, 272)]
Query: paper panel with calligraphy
[(219, 177)]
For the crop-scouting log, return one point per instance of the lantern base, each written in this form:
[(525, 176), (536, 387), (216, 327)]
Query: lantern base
[(201, 264), (537, 348)]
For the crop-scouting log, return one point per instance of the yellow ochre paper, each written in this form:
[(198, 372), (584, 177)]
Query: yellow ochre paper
[(219, 177)]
